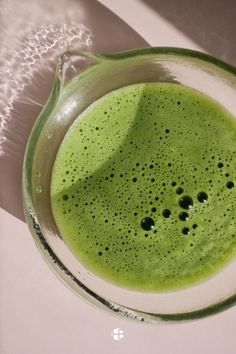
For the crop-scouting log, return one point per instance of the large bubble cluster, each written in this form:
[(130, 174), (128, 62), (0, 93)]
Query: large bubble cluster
[(143, 186)]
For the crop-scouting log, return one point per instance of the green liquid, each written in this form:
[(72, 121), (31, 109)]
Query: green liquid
[(143, 187)]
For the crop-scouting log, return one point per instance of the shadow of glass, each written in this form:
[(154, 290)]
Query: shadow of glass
[(108, 192), (108, 34), (210, 23)]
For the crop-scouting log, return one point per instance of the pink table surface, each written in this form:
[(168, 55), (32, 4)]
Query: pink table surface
[(39, 315)]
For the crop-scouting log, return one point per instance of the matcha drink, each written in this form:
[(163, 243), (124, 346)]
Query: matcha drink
[(143, 187)]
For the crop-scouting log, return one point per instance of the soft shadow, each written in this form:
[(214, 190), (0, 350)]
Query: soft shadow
[(109, 34), (210, 23)]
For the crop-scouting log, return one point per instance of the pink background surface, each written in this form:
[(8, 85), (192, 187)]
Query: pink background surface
[(38, 314)]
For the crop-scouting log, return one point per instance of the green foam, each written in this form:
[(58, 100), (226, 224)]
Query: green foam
[(123, 160)]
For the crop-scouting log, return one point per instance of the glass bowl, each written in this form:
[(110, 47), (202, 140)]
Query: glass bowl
[(82, 78)]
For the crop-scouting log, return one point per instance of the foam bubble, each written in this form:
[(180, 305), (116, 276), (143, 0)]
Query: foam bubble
[(186, 202)]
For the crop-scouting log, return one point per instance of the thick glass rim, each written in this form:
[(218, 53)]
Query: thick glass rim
[(177, 51), (45, 249)]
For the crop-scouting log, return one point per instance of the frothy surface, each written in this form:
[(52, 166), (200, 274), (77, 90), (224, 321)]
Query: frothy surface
[(143, 187)]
